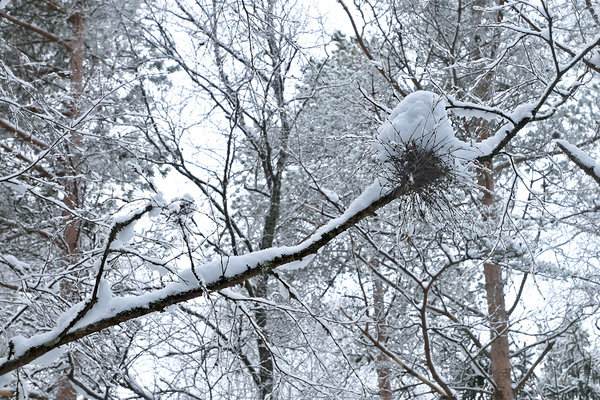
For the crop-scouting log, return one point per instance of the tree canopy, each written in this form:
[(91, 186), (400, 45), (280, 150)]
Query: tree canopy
[(225, 199)]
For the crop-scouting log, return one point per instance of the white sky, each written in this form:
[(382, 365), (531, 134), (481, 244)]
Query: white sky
[(334, 17)]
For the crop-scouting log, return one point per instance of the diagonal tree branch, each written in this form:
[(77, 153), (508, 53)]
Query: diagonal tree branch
[(367, 53), (241, 268), (582, 160), (38, 30)]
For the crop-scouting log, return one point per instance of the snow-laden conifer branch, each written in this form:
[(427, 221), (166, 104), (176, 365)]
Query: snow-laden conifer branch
[(529, 372), (27, 137), (34, 163), (38, 30)]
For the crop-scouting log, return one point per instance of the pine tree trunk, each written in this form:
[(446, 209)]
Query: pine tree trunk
[(494, 285), (383, 368), (499, 354), (73, 196), (498, 318), (66, 390)]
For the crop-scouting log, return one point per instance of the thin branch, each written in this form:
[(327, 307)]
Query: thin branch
[(582, 160), (367, 53), (55, 6), (520, 384), (404, 366), (37, 30), (519, 294), (510, 130)]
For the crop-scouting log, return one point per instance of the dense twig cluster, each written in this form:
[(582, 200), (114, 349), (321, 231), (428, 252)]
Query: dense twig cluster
[(419, 168), (428, 175)]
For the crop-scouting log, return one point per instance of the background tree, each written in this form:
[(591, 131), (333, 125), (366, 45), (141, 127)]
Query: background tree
[(66, 106), (459, 48), (570, 370)]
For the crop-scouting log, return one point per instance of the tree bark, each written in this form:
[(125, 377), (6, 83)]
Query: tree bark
[(383, 368), (265, 372), (71, 183), (275, 175), (494, 284), (499, 354), (498, 318), (66, 390)]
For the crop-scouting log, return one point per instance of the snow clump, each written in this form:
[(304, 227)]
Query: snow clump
[(416, 143), (418, 151), (419, 120)]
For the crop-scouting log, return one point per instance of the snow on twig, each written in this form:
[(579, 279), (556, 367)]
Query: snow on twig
[(524, 113)]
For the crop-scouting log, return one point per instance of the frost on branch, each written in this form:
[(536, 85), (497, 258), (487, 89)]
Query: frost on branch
[(417, 148)]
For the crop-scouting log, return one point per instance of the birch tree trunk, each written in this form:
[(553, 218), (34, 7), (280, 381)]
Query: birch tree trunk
[(383, 368)]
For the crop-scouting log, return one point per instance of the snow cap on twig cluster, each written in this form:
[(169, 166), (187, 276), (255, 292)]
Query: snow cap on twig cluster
[(416, 142), (416, 147), (420, 118)]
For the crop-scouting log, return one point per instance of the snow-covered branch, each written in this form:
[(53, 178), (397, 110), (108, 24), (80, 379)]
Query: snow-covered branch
[(469, 109), (523, 114), (108, 311), (581, 159)]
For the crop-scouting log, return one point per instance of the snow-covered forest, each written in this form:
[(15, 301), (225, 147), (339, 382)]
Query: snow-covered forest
[(309, 199)]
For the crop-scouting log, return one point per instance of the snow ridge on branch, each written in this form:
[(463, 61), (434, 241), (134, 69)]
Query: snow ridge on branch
[(581, 159), (108, 311)]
